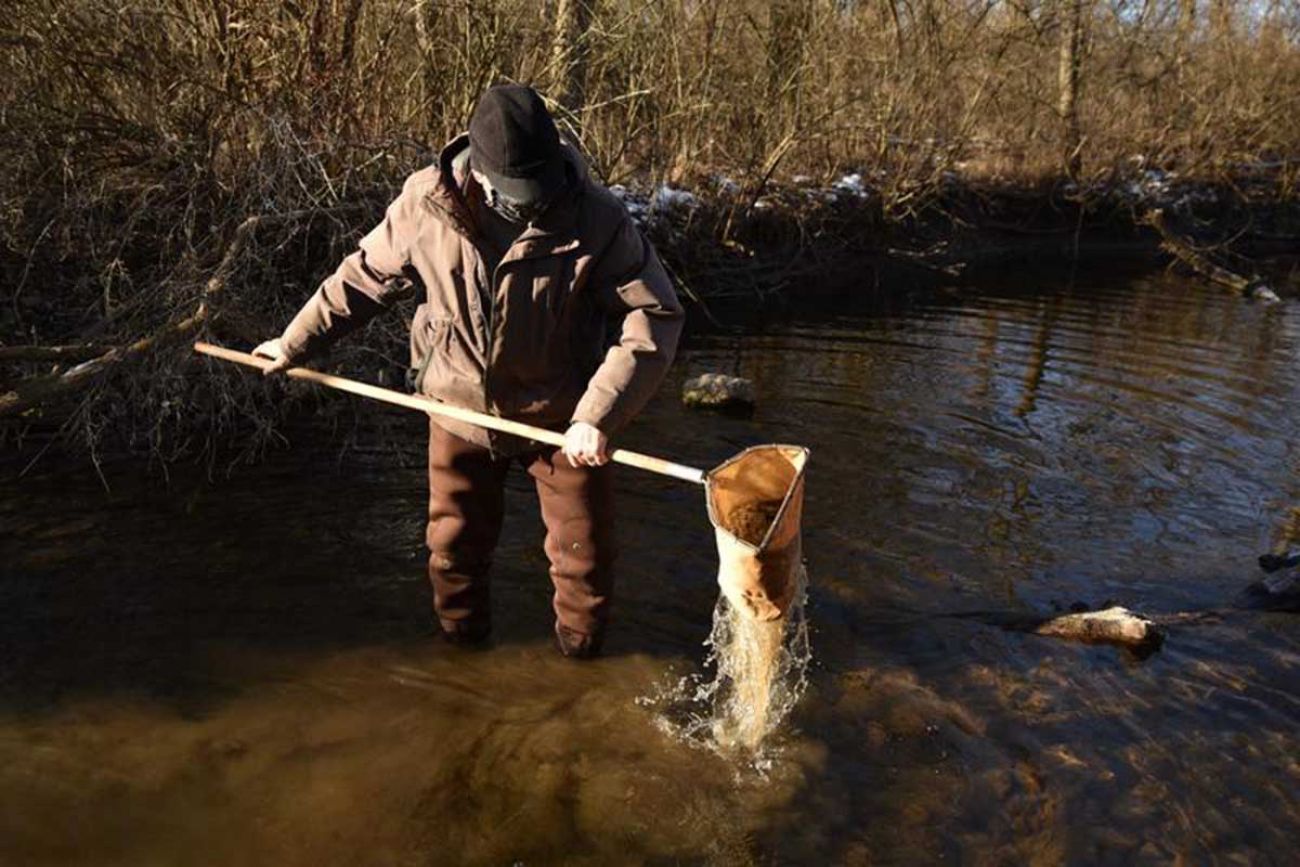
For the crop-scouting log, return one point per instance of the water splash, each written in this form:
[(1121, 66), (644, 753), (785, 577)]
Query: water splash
[(760, 670)]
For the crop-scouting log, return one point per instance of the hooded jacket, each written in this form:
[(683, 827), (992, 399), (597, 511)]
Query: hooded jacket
[(577, 322)]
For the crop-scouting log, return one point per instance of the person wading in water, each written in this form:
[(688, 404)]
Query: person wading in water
[(542, 302)]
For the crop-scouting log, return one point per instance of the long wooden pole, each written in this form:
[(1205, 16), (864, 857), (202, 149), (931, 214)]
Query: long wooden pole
[(428, 404)]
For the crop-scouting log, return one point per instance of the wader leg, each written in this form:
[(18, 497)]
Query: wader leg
[(466, 503), (578, 509)]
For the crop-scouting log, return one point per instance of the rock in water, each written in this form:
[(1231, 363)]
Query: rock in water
[(1276, 562), (1279, 591), (1115, 625), (720, 392), (1263, 293)]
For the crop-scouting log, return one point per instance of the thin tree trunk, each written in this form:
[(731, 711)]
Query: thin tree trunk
[(572, 21), (426, 25), (1186, 27), (1068, 88), (789, 22), (1221, 20), (1182, 46)]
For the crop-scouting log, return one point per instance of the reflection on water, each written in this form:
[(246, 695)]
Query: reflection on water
[(395, 755), (241, 672)]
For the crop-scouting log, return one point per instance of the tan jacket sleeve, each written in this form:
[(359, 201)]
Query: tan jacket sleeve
[(363, 283), (631, 282)]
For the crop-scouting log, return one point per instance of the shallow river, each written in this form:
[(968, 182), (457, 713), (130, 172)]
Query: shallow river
[(241, 671)]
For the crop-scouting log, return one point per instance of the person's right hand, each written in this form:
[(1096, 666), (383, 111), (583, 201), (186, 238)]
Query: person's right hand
[(273, 350)]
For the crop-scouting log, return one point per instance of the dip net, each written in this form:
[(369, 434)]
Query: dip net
[(759, 642), (758, 648), (755, 502)]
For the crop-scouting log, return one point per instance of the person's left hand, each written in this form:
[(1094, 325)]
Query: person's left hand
[(585, 445)]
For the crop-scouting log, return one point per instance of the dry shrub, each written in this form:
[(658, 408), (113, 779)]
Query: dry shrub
[(137, 135)]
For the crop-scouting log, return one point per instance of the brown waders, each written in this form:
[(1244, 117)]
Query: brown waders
[(466, 506)]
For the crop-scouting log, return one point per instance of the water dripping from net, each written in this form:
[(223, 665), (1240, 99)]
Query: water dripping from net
[(759, 670)]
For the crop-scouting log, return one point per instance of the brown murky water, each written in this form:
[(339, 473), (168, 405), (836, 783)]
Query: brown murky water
[(241, 672)]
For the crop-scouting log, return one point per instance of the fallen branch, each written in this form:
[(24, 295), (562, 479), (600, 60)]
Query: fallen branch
[(1184, 251), (930, 261), (72, 353), (34, 392)]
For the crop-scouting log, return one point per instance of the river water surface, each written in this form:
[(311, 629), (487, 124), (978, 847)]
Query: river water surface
[(241, 671)]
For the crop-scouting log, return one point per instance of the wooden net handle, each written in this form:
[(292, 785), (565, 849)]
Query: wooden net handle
[(436, 407)]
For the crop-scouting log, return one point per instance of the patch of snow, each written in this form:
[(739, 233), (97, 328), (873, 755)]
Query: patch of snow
[(851, 184), (660, 205), (1163, 189), (1155, 181), (667, 199), (1153, 186), (636, 204), (726, 185), (1195, 195)]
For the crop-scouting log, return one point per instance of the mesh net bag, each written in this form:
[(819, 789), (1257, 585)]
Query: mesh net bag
[(755, 503)]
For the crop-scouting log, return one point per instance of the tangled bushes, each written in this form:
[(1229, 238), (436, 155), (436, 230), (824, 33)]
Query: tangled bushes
[(137, 137)]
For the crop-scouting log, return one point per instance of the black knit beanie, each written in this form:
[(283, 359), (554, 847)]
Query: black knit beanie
[(513, 141)]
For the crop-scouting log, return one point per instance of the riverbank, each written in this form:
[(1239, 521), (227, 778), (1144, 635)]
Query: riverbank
[(804, 237), (127, 381)]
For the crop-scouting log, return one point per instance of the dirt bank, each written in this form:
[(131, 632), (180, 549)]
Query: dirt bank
[(123, 378)]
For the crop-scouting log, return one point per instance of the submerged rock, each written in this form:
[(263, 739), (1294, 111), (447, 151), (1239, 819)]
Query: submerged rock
[(1275, 562), (1279, 591), (1262, 293), (1115, 625), (719, 391)]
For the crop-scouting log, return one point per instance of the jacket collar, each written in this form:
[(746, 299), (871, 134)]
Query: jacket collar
[(447, 196)]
